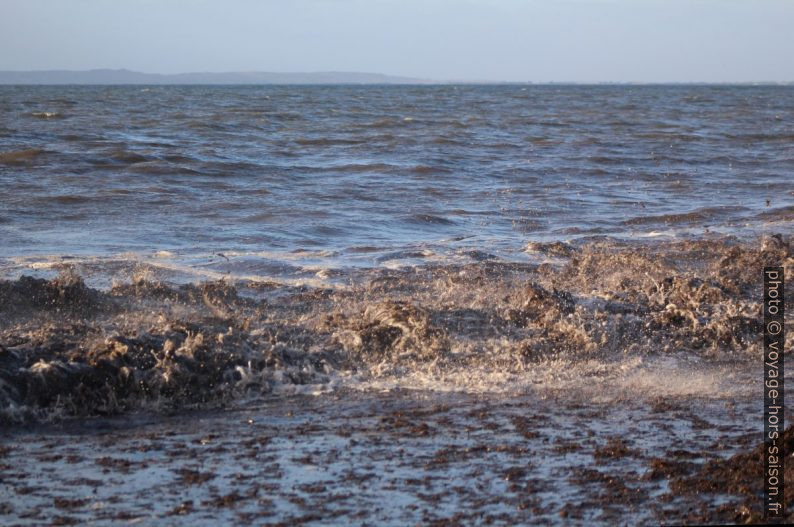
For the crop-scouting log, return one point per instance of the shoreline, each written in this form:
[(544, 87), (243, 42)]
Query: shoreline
[(598, 312), (439, 459)]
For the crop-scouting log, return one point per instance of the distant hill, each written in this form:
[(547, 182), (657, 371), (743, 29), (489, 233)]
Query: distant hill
[(107, 76)]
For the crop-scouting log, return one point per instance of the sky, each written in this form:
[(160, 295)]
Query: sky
[(486, 40)]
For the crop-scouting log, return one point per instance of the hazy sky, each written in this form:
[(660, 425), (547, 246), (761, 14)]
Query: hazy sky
[(519, 40)]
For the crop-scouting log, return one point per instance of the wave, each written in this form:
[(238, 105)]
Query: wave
[(161, 168), (762, 137), (359, 167), (47, 115), (20, 157), (429, 219), (129, 157), (695, 216), (597, 313), (429, 169), (70, 199), (777, 213), (329, 141)]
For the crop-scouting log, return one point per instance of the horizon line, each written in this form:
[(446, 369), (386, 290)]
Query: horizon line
[(395, 79)]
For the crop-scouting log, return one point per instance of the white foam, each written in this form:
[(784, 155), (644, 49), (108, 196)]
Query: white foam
[(600, 380)]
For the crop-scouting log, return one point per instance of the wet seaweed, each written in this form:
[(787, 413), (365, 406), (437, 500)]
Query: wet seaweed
[(69, 349)]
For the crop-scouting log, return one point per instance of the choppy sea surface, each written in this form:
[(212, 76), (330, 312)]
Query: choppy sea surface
[(455, 304), (290, 181)]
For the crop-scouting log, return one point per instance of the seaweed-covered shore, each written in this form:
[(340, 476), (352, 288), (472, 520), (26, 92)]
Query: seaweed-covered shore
[(605, 382), (397, 458)]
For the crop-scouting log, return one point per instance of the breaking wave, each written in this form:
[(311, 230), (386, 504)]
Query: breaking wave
[(608, 312)]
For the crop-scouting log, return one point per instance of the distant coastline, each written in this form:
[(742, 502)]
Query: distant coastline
[(125, 76)]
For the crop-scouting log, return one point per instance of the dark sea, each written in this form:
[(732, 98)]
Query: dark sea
[(289, 181), (358, 305)]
